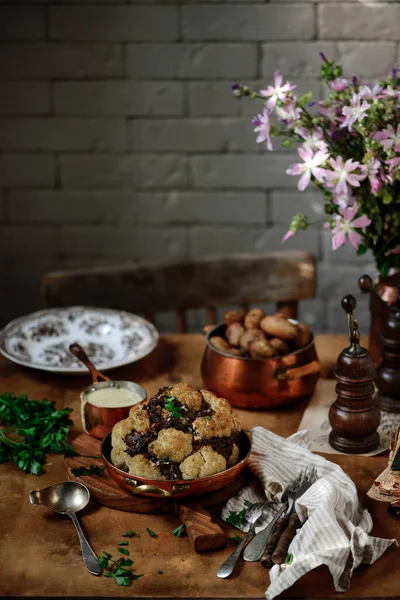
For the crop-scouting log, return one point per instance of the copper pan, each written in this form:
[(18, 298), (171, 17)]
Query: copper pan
[(253, 383), (175, 488)]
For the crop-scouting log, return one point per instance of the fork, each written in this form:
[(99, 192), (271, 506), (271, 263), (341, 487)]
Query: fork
[(252, 516), (254, 550)]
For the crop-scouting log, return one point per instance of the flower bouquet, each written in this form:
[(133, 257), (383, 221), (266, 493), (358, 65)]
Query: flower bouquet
[(349, 146)]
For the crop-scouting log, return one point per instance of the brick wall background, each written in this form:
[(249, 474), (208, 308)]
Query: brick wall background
[(119, 138)]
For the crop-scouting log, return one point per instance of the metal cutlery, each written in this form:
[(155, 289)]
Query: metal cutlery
[(252, 515)]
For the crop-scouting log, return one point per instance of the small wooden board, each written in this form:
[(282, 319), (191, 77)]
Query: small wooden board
[(104, 490)]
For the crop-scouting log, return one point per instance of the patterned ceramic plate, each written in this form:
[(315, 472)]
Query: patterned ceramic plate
[(111, 338)]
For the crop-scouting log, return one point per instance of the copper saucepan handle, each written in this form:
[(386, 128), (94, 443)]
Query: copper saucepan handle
[(296, 373), (147, 489), (81, 355)]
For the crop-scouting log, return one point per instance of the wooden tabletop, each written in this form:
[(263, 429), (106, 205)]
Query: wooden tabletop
[(40, 554)]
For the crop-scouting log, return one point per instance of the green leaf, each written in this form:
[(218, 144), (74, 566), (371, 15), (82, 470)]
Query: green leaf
[(172, 405), (123, 551), (387, 196), (236, 518), (179, 531), (107, 554), (160, 572), (290, 559), (286, 143), (125, 562), (361, 249), (134, 577), (151, 533), (103, 562), (123, 543), (107, 574), (235, 538), (130, 533), (122, 580), (84, 471)]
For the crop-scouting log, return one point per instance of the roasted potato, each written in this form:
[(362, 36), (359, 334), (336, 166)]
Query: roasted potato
[(276, 326), (303, 336), (249, 336), (261, 349), (280, 346), (220, 343), (233, 333), (233, 316), (253, 318)]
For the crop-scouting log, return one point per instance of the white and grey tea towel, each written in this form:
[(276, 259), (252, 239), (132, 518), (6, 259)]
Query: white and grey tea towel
[(336, 526)]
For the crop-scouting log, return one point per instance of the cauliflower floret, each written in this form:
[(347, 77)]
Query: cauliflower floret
[(202, 463), (187, 395), (141, 466), (173, 444), (139, 419), (234, 457), (120, 430), (118, 458)]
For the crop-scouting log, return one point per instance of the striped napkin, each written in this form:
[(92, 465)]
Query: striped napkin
[(336, 529)]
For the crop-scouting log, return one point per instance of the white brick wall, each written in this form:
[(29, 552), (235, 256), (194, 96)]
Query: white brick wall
[(120, 138)]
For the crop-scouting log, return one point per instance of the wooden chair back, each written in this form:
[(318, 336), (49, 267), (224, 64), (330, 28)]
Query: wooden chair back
[(281, 277)]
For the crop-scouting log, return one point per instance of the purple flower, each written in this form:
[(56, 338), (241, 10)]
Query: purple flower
[(339, 84), (392, 251), (323, 57), (343, 174), (366, 93), (355, 112), (372, 168), (392, 163), (345, 225), (289, 113), (343, 200), (263, 128), (314, 138), (277, 91), (389, 138), (310, 166), (390, 92)]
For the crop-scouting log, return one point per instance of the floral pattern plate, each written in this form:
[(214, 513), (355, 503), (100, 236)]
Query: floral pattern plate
[(111, 339)]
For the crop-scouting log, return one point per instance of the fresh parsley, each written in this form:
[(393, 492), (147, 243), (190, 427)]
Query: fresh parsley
[(174, 408), (84, 471), (116, 569), (131, 533), (160, 572), (32, 429), (179, 531), (236, 518), (123, 551), (123, 543), (235, 538), (151, 533), (207, 418)]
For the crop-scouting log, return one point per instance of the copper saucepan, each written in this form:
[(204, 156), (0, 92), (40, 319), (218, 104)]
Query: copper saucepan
[(254, 383), (176, 488)]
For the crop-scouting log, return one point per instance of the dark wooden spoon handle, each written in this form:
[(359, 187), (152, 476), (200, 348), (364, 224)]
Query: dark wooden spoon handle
[(81, 355), (266, 559), (280, 552)]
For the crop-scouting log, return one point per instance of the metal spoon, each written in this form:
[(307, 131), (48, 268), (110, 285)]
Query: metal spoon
[(66, 498)]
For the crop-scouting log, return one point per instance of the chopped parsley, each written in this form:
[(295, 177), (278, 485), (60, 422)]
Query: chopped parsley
[(131, 533), (170, 387), (84, 471), (207, 418), (182, 560), (235, 538), (116, 569), (236, 518), (179, 531), (123, 543), (123, 551), (174, 408), (160, 572), (151, 533)]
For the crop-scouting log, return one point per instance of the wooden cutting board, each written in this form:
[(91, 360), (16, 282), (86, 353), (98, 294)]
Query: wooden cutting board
[(202, 528)]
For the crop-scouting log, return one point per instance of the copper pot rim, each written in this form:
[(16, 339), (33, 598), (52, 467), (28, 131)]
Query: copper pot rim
[(173, 482), (212, 332)]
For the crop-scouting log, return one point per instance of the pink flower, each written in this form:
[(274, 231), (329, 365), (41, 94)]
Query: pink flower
[(392, 251), (289, 234), (392, 163), (355, 112), (289, 113), (372, 168), (343, 200), (343, 174), (390, 92), (366, 93), (310, 166), (277, 91), (314, 138), (345, 226), (263, 127), (388, 138), (339, 84)]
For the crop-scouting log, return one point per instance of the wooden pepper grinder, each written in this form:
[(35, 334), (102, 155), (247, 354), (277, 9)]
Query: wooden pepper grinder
[(388, 379), (355, 414)]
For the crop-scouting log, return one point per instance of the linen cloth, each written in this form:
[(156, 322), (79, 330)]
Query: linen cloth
[(336, 526)]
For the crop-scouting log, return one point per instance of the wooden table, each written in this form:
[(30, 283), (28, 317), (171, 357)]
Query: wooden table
[(40, 554)]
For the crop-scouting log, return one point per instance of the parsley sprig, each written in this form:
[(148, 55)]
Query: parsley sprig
[(236, 518), (179, 531), (34, 429), (173, 407), (85, 471), (116, 569)]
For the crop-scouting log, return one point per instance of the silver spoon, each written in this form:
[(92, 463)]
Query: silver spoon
[(66, 498)]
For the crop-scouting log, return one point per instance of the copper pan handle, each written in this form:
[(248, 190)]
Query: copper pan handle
[(147, 489), (311, 368), (81, 355)]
